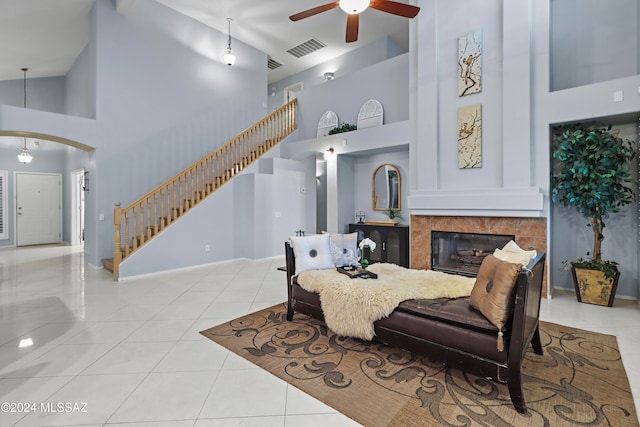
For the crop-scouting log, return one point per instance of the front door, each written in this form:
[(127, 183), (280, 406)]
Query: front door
[(38, 209)]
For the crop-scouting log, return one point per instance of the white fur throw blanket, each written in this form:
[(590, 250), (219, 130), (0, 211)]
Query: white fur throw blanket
[(350, 306)]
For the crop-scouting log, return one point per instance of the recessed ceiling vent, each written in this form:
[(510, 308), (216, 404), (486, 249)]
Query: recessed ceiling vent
[(306, 48), (272, 64)]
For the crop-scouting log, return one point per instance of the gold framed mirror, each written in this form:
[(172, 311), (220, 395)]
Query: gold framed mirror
[(386, 188)]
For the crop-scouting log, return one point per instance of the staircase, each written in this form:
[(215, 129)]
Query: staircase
[(136, 224)]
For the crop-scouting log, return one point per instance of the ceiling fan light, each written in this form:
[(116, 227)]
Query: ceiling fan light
[(24, 156), (354, 6)]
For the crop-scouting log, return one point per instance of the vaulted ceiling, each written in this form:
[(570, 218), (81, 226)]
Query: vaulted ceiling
[(47, 35)]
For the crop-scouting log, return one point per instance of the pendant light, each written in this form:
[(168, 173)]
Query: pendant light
[(229, 58), (24, 156)]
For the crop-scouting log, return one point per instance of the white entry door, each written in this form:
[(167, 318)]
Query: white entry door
[(38, 209)]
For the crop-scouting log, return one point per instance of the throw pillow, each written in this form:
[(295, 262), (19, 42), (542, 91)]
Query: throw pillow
[(312, 252), (492, 294), (511, 252), (343, 248)]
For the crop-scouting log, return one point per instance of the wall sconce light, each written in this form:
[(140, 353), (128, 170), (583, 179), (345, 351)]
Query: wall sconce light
[(329, 75), (329, 153)]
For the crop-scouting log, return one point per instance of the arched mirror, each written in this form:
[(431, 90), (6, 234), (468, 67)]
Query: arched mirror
[(386, 188)]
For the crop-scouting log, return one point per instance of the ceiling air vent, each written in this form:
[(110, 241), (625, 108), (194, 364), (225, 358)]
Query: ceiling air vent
[(306, 48), (272, 64)]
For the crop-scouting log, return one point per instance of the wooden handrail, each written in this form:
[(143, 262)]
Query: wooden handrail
[(150, 214)]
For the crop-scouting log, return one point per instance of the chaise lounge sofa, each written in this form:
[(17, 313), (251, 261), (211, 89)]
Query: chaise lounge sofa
[(451, 331)]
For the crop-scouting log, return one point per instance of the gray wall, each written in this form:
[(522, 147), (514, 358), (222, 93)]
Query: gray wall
[(346, 95), (80, 95), (74, 160), (45, 94), (347, 189), (321, 185), (161, 103), (349, 63), (364, 167), (213, 224), (487, 16), (593, 41)]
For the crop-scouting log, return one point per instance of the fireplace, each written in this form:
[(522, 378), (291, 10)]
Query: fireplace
[(529, 232), (462, 253)]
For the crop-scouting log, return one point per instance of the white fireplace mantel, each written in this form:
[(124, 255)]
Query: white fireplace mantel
[(504, 202)]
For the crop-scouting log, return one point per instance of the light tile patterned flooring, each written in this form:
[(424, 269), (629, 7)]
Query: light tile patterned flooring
[(131, 350)]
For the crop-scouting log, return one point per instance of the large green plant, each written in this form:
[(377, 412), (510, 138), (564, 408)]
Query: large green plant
[(592, 175)]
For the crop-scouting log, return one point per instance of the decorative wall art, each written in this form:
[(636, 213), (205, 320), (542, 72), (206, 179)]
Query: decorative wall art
[(370, 114), (470, 137), (470, 63), (328, 121)]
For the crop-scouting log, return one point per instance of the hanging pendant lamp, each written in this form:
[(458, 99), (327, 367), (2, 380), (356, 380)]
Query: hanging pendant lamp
[(229, 58), (24, 156)]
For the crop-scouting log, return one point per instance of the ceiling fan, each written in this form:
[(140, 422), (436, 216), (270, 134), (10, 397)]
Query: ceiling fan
[(354, 7)]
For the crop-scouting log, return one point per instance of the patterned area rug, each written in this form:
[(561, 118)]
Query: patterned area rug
[(580, 379)]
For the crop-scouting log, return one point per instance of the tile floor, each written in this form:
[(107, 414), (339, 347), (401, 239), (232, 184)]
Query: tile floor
[(131, 350)]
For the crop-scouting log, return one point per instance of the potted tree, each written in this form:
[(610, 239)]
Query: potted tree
[(592, 175)]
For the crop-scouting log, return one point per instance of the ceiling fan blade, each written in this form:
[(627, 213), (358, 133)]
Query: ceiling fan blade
[(395, 8), (314, 11), (353, 22)]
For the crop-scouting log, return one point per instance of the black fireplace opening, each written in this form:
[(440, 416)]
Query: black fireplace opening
[(462, 253)]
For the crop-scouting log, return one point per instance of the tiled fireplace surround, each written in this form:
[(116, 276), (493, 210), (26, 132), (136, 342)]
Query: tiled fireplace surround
[(529, 232)]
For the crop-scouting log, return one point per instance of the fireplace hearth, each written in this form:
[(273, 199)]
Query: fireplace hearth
[(462, 253)]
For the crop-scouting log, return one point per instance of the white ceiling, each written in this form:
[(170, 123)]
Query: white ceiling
[(46, 36)]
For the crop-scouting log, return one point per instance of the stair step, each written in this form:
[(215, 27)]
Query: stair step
[(107, 263)]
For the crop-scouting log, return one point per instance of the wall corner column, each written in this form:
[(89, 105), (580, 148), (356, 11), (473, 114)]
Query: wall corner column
[(517, 132)]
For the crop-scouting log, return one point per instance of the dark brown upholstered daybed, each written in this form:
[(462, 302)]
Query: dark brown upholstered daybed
[(451, 331)]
